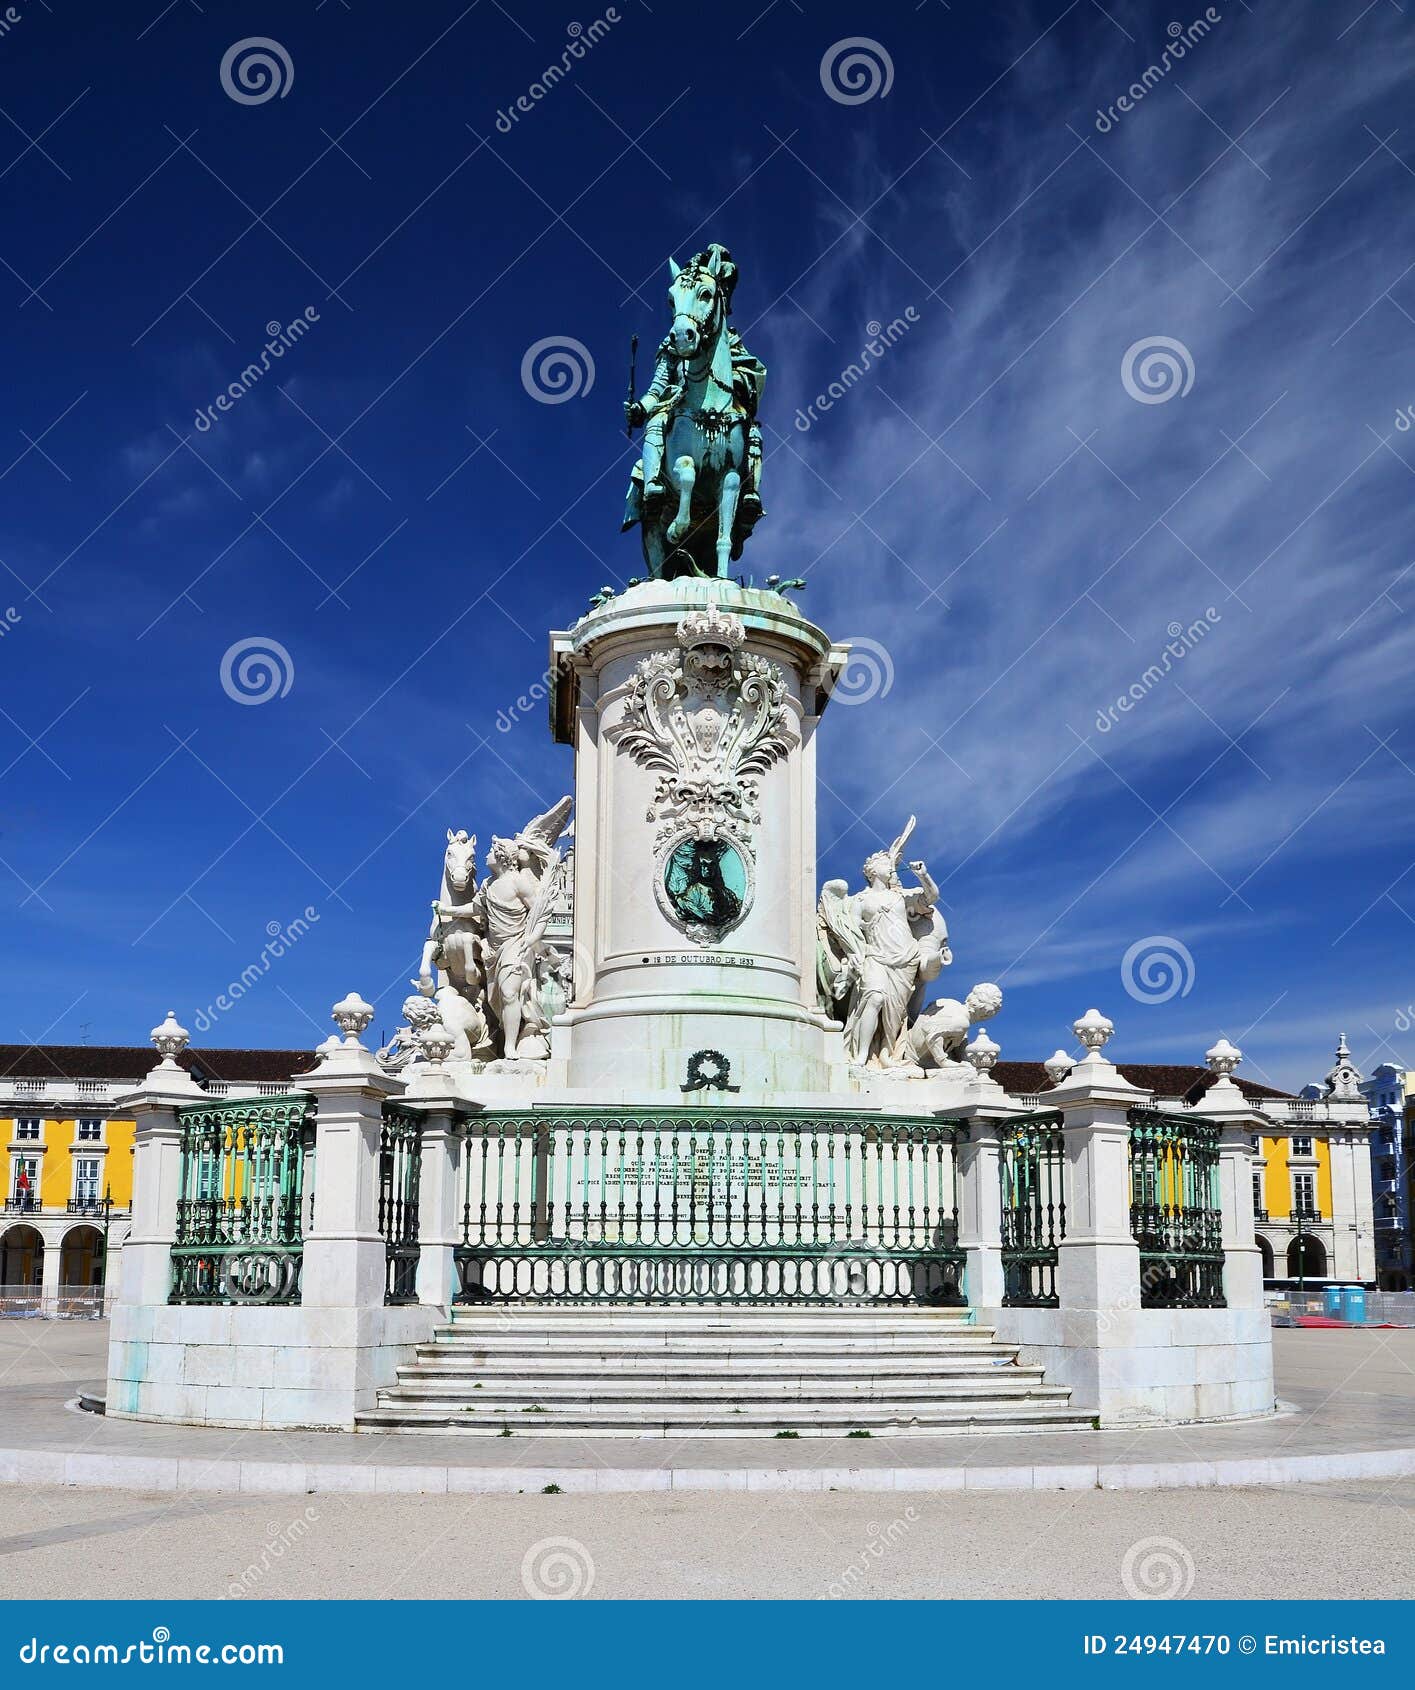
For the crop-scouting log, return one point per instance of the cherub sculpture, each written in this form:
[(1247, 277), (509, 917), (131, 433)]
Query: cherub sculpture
[(939, 1038)]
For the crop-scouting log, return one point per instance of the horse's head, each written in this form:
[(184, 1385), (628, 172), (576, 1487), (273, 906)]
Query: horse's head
[(460, 863), (698, 297)]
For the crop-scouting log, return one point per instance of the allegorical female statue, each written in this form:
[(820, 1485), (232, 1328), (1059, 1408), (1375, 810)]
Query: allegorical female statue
[(878, 950)]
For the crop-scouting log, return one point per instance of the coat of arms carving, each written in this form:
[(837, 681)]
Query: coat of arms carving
[(711, 718)]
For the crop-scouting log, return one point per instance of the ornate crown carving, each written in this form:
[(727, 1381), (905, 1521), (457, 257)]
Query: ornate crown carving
[(711, 626)]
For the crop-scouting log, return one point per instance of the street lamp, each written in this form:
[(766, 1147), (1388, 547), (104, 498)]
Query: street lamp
[(107, 1207)]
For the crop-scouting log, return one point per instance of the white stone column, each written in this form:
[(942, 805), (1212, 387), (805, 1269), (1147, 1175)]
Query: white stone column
[(1238, 1120), (146, 1262), (433, 1095), (345, 1263), (980, 1194), (49, 1274), (1098, 1270)]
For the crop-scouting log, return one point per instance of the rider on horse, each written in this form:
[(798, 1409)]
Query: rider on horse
[(664, 399)]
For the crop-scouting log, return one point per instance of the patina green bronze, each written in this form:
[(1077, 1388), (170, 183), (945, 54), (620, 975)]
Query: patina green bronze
[(696, 491)]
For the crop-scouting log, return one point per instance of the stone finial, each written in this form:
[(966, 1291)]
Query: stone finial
[(1094, 1031), (351, 1015), (437, 1043), (170, 1038), (1222, 1058), (1343, 1083), (983, 1053), (1058, 1065), (327, 1047)]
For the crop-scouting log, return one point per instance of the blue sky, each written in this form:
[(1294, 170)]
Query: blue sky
[(991, 510)]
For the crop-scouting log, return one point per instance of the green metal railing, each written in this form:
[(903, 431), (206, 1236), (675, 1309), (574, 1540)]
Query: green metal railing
[(685, 1206), (246, 1178), (1175, 1212), (1033, 1208), (399, 1175)]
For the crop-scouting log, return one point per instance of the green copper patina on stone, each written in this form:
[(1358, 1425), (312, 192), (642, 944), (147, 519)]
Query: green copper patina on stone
[(696, 491)]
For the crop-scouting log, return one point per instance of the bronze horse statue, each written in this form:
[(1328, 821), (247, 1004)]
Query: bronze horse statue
[(696, 491)]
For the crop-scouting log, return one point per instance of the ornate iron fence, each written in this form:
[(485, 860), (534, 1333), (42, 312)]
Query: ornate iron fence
[(1033, 1208), (400, 1153), (246, 1177), (679, 1206), (1175, 1212)]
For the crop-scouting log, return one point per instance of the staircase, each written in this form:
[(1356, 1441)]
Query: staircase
[(718, 1371)]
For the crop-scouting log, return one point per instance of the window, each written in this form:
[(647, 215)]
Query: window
[(86, 1171), (24, 1183), (27, 1129), (1256, 1142), (90, 1132), (1301, 1146), (1257, 1194), (1304, 1195), (1387, 1170)]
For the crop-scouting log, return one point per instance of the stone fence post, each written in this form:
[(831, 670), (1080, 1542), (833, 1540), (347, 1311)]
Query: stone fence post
[(1238, 1120), (980, 1190), (1098, 1272), (433, 1095), (146, 1262), (345, 1260)]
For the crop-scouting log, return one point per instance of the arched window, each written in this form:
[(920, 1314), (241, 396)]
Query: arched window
[(21, 1259), (1267, 1251), (81, 1257), (1306, 1258)]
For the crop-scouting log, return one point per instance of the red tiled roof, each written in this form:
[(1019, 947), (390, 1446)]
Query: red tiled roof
[(132, 1062), (1164, 1079)]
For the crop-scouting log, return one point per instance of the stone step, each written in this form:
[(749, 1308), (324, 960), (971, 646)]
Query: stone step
[(695, 1314), (806, 1420), (640, 1370), (583, 1361), (524, 1395), (975, 1340)]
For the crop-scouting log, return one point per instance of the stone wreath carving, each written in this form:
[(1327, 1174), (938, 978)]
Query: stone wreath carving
[(711, 718)]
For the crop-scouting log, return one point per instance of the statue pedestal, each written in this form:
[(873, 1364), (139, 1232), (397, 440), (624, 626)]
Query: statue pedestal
[(692, 706)]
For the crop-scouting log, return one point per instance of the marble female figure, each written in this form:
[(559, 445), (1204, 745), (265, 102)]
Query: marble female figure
[(888, 965)]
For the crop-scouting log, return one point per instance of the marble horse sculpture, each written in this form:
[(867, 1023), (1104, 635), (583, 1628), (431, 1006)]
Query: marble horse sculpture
[(696, 491)]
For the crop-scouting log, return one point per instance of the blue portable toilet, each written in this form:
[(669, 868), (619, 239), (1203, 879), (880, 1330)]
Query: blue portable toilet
[(1353, 1304), (1332, 1303)]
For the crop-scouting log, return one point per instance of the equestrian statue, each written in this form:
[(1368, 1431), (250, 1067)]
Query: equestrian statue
[(696, 491)]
